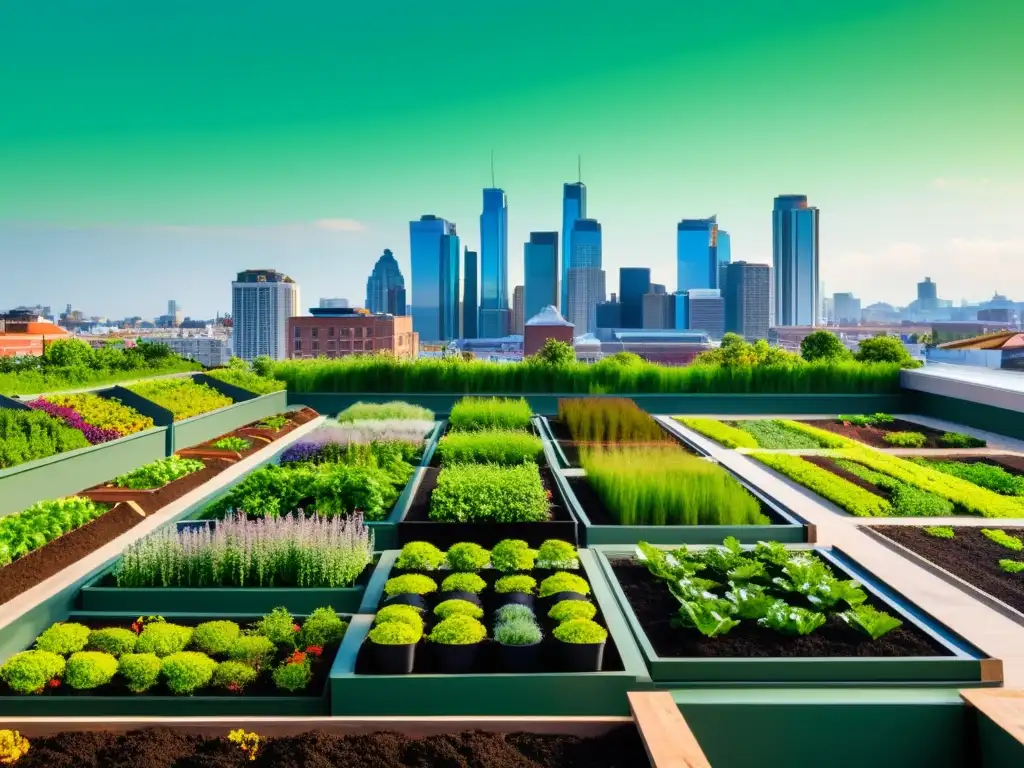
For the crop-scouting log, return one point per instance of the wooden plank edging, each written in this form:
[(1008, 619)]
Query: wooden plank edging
[(1003, 706), (667, 738)]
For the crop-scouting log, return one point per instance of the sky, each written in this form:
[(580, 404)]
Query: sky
[(150, 152)]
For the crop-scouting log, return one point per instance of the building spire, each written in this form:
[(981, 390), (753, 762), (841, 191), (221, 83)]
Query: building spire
[(579, 169), (492, 169)]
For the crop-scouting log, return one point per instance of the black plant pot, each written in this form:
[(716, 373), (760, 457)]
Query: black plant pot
[(469, 597), (408, 598), (454, 659), (394, 659), (518, 658), (516, 598), (581, 657), (560, 596)]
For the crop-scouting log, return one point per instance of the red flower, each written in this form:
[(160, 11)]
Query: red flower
[(314, 650), (136, 627), (296, 628), (234, 687), (296, 658), (54, 683)]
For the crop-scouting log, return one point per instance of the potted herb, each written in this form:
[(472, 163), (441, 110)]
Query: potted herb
[(518, 642), (581, 645), (449, 608), (515, 589), (409, 589), (564, 586), (567, 610), (394, 646), (462, 586), (467, 557), (455, 643), (555, 553), (512, 555), (419, 556)]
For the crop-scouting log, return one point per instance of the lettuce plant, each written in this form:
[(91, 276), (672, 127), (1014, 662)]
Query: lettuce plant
[(750, 601), (709, 616), (791, 620), (870, 621)]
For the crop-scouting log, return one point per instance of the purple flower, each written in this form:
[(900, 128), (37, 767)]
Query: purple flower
[(73, 419), (301, 452)]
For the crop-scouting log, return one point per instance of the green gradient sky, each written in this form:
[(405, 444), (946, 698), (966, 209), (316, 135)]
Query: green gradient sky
[(242, 123)]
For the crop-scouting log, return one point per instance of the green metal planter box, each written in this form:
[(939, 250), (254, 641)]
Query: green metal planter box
[(503, 694), (965, 666), (247, 408)]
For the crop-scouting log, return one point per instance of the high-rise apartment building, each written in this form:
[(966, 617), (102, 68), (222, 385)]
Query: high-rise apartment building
[(574, 207), (846, 309), (586, 291), (658, 311), (262, 300), (697, 257), (705, 311), (385, 287), (434, 250), (927, 295), (795, 261), (634, 283), (470, 296), (540, 272), (517, 310), (494, 264), (748, 299)]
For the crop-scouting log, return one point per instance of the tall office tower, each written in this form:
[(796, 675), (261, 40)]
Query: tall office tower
[(634, 282), (518, 299), (470, 296), (846, 309), (586, 291), (795, 261), (748, 299), (540, 272), (724, 258), (697, 259), (927, 295), (262, 300), (705, 311), (609, 314), (434, 250), (657, 288), (385, 287), (658, 310), (574, 206), (494, 264)]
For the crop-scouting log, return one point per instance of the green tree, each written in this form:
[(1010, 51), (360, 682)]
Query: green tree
[(67, 353), (885, 349), (556, 353), (823, 345)]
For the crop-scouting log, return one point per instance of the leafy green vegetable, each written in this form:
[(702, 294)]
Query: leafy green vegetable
[(870, 621)]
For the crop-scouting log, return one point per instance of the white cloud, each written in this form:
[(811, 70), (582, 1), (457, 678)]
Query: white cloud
[(986, 247), (945, 183), (340, 225)]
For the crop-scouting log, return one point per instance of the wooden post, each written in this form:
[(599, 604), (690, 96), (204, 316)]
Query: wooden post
[(667, 738)]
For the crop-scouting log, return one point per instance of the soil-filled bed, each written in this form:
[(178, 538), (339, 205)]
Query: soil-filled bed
[(655, 607), (969, 555), (1012, 464), (829, 464), (252, 433), (571, 449), (875, 435), (164, 748), (417, 525)]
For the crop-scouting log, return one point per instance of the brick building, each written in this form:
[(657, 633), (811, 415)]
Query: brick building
[(344, 331)]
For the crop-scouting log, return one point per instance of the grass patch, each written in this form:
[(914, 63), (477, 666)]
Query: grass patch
[(774, 434), (491, 446), (907, 500), (474, 413), (719, 431), (609, 420), (905, 439), (989, 476)]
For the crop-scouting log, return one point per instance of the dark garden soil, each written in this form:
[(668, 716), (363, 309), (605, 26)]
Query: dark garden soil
[(571, 449), (417, 525), (295, 420), (830, 465), (655, 607), (969, 555), (875, 435), (1012, 464), (164, 748)]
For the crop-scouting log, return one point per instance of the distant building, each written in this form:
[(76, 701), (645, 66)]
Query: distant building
[(748, 295), (634, 283), (665, 347), (262, 300), (435, 256), (697, 261), (173, 313), (517, 310), (337, 303), (210, 351), (846, 309), (705, 311), (494, 296), (340, 332), (658, 311), (385, 287), (609, 315), (586, 291), (999, 349), (927, 294), (26, 333), (540, 272), (574, 207), (546, 324), (795, 261), (470, 296)]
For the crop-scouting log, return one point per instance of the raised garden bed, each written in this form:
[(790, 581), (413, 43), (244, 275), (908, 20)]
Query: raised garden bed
[(920, 651), (256, 435), (874, 434), (570, 450)]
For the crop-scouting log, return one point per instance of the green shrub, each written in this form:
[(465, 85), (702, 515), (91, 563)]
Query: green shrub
[(63, 639), (484, 493), (409, 584), (395, 410), (322, 627), (458, 630), (476, 413), (841, 492), (403, 614), (30, 435), (490, 446), (564, 582), (247, 380), (518, 631), (463, 582), (512, 555), (1003, 539), (278, 626), (906, 439), (513, 611), (580, 631), (30, 671), (233, 443), (159, 473), (35, 527), (467, 556), (990, 476), (395, 633), (116, 641), (557, 554), (141, 671), (233, 675), (185, 672), (508, 584), (419, 556), (568, 610), (293, 676), (1011, 566), (89, 669), (940, 532), (215, 637), (957, 440), (449, 608), (163, 639), (720, 432), (255, 650)]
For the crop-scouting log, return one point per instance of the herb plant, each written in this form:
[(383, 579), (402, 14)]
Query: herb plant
[(116, 641), (86, 670), (990, 476), (103, 413), (720, 432), (512, 555), (467, 556), (233, 443), (215, 637), (563, 582), (609, 420), (449, 608), (158, 473), (957, 440), (233, 675), (322, 627), (513, 611), (872, 622), (568, 610), (293, 675), (840, 491), (163, 639), (458, 630), (37, 526), (63, 639), (556, 554), (185, 672), (580, 632), (487, 493), (419, 556), (411, 584), (28, 672), (506, 447), (475, 413), (278, 626), (519, 583), (1011, 566), (518, 631), (141, 671), (247, 380), (463, 582)]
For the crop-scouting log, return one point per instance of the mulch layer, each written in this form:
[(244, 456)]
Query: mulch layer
[(655, 607), (969, 555), (164, 748), (571, 449), (875, 435), (828, 464), (39, 565)]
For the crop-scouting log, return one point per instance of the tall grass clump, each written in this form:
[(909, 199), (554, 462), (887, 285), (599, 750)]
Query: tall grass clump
[(396, 410), (609, 420), (473, 413), (666, 486), (490, 446)]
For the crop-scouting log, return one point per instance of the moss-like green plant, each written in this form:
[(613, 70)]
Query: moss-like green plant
[(729, 436), (467, 556), (215, 637), (140, 671), (116, 641), (89, 669), (30, 671), (513, 555), (322, 627), (939, 531), (395, 633), (564, 582), (419, 556), (278, 626), (404, 614), (255, 650), (488, 493), (518, 631), (63, 639), (293, 676), (450, 608), (513, 611), (1011, 566), (507, 584), (409, 584), (458, 630), (554, 553), (906, 439), (233, 675), (463, 582), (580, 632), (186, 672), (1003, 539), (569, 610), (957, 440), (163, 639)]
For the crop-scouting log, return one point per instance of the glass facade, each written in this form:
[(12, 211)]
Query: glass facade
[(540, 271), (795, 259), (748, 300), (470, 296), (385, 287), (451, 253), (634, 282), (434, 254), (494, 250), (574, 206), (586, 244), (697, 254)]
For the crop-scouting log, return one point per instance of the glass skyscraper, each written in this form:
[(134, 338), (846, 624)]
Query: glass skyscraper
[(634, 282), (586, 278), (574, 206), (434, 251), (795, 261), (540, 271), (493, 263), (385, 287), (697, 254), (470, 296)]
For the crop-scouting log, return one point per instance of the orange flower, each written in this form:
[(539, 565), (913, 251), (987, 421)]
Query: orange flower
[(314, 650)]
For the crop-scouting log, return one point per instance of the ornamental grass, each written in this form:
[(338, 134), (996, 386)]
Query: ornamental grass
[(490, 446), (609, 420), (396, 410), (475, 413)]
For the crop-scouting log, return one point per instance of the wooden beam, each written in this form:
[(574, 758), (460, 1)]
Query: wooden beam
[(1003, 706), (667, 738)]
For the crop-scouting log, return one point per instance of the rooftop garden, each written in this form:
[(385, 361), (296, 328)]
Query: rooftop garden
[(184, 398), (239, 374)]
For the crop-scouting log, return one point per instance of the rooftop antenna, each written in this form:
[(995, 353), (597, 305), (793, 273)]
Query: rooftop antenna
[(492, 169), (579, 169)]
